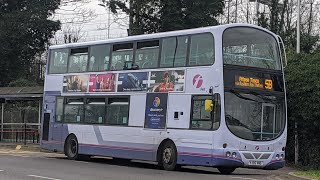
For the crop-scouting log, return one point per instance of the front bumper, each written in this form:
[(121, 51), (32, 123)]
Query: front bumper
[(277, 164)]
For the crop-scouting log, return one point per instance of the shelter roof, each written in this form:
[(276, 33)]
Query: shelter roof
[(21, 93)]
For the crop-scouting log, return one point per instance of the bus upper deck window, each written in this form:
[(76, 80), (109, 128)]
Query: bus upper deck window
[(99, 58), (147, 54), (121, 53), (78, 60), (202, 50), (58, 61), (252, 47), (174, 51)]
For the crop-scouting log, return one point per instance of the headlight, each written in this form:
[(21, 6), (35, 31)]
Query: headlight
[(277, 157), (282, 156), (228, 154), (234, 154)]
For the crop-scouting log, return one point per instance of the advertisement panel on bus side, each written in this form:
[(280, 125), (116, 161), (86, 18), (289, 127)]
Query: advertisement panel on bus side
[(165, 81), (75, 83), (154, 81), (135, 81), (102, 82), (156, 110)]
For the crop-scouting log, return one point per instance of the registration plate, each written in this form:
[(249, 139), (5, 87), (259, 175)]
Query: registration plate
[(256, 163)]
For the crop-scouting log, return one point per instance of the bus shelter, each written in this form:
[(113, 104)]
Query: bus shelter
[(20, 114)]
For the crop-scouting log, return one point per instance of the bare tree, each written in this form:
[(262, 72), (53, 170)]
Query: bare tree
[(119, 19), (279, 16), (73, 14)]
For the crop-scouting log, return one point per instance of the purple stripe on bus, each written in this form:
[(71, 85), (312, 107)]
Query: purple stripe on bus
[(148, 150), (208, 155), (117, 147), (52, 142)]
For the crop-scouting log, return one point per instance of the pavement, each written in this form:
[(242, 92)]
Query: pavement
[(28, 147), (34, 151)]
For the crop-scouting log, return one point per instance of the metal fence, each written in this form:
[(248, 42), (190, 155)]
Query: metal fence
[(20, 133), (20, 122)]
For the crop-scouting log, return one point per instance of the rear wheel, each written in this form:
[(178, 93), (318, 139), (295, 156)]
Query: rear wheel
[(169, 156), (71, 148), (226, 170)]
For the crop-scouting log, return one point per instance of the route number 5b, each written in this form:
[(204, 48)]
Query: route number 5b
[(268, 84)]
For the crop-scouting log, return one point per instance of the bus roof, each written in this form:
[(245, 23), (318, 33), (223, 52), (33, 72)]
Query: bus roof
[(159, 35)]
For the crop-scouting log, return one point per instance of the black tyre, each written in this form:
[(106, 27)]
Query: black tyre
[(168, 158), (226, 170), (71, 148)]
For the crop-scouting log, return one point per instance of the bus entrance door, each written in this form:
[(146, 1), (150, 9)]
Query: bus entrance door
[(55, 130), (268, 121)]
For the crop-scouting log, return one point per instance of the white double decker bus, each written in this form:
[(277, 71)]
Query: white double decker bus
[(212, 96)]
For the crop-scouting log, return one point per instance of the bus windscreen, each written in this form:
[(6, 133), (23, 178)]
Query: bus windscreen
[(250, 47)]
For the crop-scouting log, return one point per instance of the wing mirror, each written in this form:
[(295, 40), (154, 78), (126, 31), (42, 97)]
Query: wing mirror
[(208, 105)]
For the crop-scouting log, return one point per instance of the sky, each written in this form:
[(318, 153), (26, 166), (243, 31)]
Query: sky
[(97, 25), (89, 21)]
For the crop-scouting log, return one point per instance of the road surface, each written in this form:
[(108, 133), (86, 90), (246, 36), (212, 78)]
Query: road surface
[(22, 165)]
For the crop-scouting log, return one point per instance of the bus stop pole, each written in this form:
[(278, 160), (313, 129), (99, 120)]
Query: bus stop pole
[(39, 119), (2, 116), (298, 29), (25, 127), (296, 140)]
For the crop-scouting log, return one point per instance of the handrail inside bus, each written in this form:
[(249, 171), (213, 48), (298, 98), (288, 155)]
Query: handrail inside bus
[(252, 57)]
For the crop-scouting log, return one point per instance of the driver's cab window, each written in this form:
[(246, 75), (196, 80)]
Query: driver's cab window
[(201, 117)]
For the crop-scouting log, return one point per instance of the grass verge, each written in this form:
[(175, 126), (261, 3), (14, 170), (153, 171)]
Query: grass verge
[(312, 174)]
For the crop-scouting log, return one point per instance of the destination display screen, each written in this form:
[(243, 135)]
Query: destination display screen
[(255, 80)]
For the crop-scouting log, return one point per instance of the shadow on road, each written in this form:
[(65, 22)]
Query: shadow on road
[(153, 165)]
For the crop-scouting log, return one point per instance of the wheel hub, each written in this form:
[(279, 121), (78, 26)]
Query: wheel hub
[(73, 147), (167, 154)]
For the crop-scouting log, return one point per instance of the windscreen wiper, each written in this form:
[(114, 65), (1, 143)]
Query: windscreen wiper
[(235, 122), (242, 97), (262, 97)]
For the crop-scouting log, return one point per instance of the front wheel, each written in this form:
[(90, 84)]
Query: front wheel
[(169, 156), (226, 170)]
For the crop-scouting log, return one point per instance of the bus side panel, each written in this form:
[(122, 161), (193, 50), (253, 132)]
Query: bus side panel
[(121, 142), (52, 139), (52, 88), (137, 110), (199, 156), (178, 111), (194, 147)]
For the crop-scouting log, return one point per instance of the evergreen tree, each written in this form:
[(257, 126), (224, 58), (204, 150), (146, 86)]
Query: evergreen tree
[(303, 93), (24, 31), (186, 14), (150, 16)]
